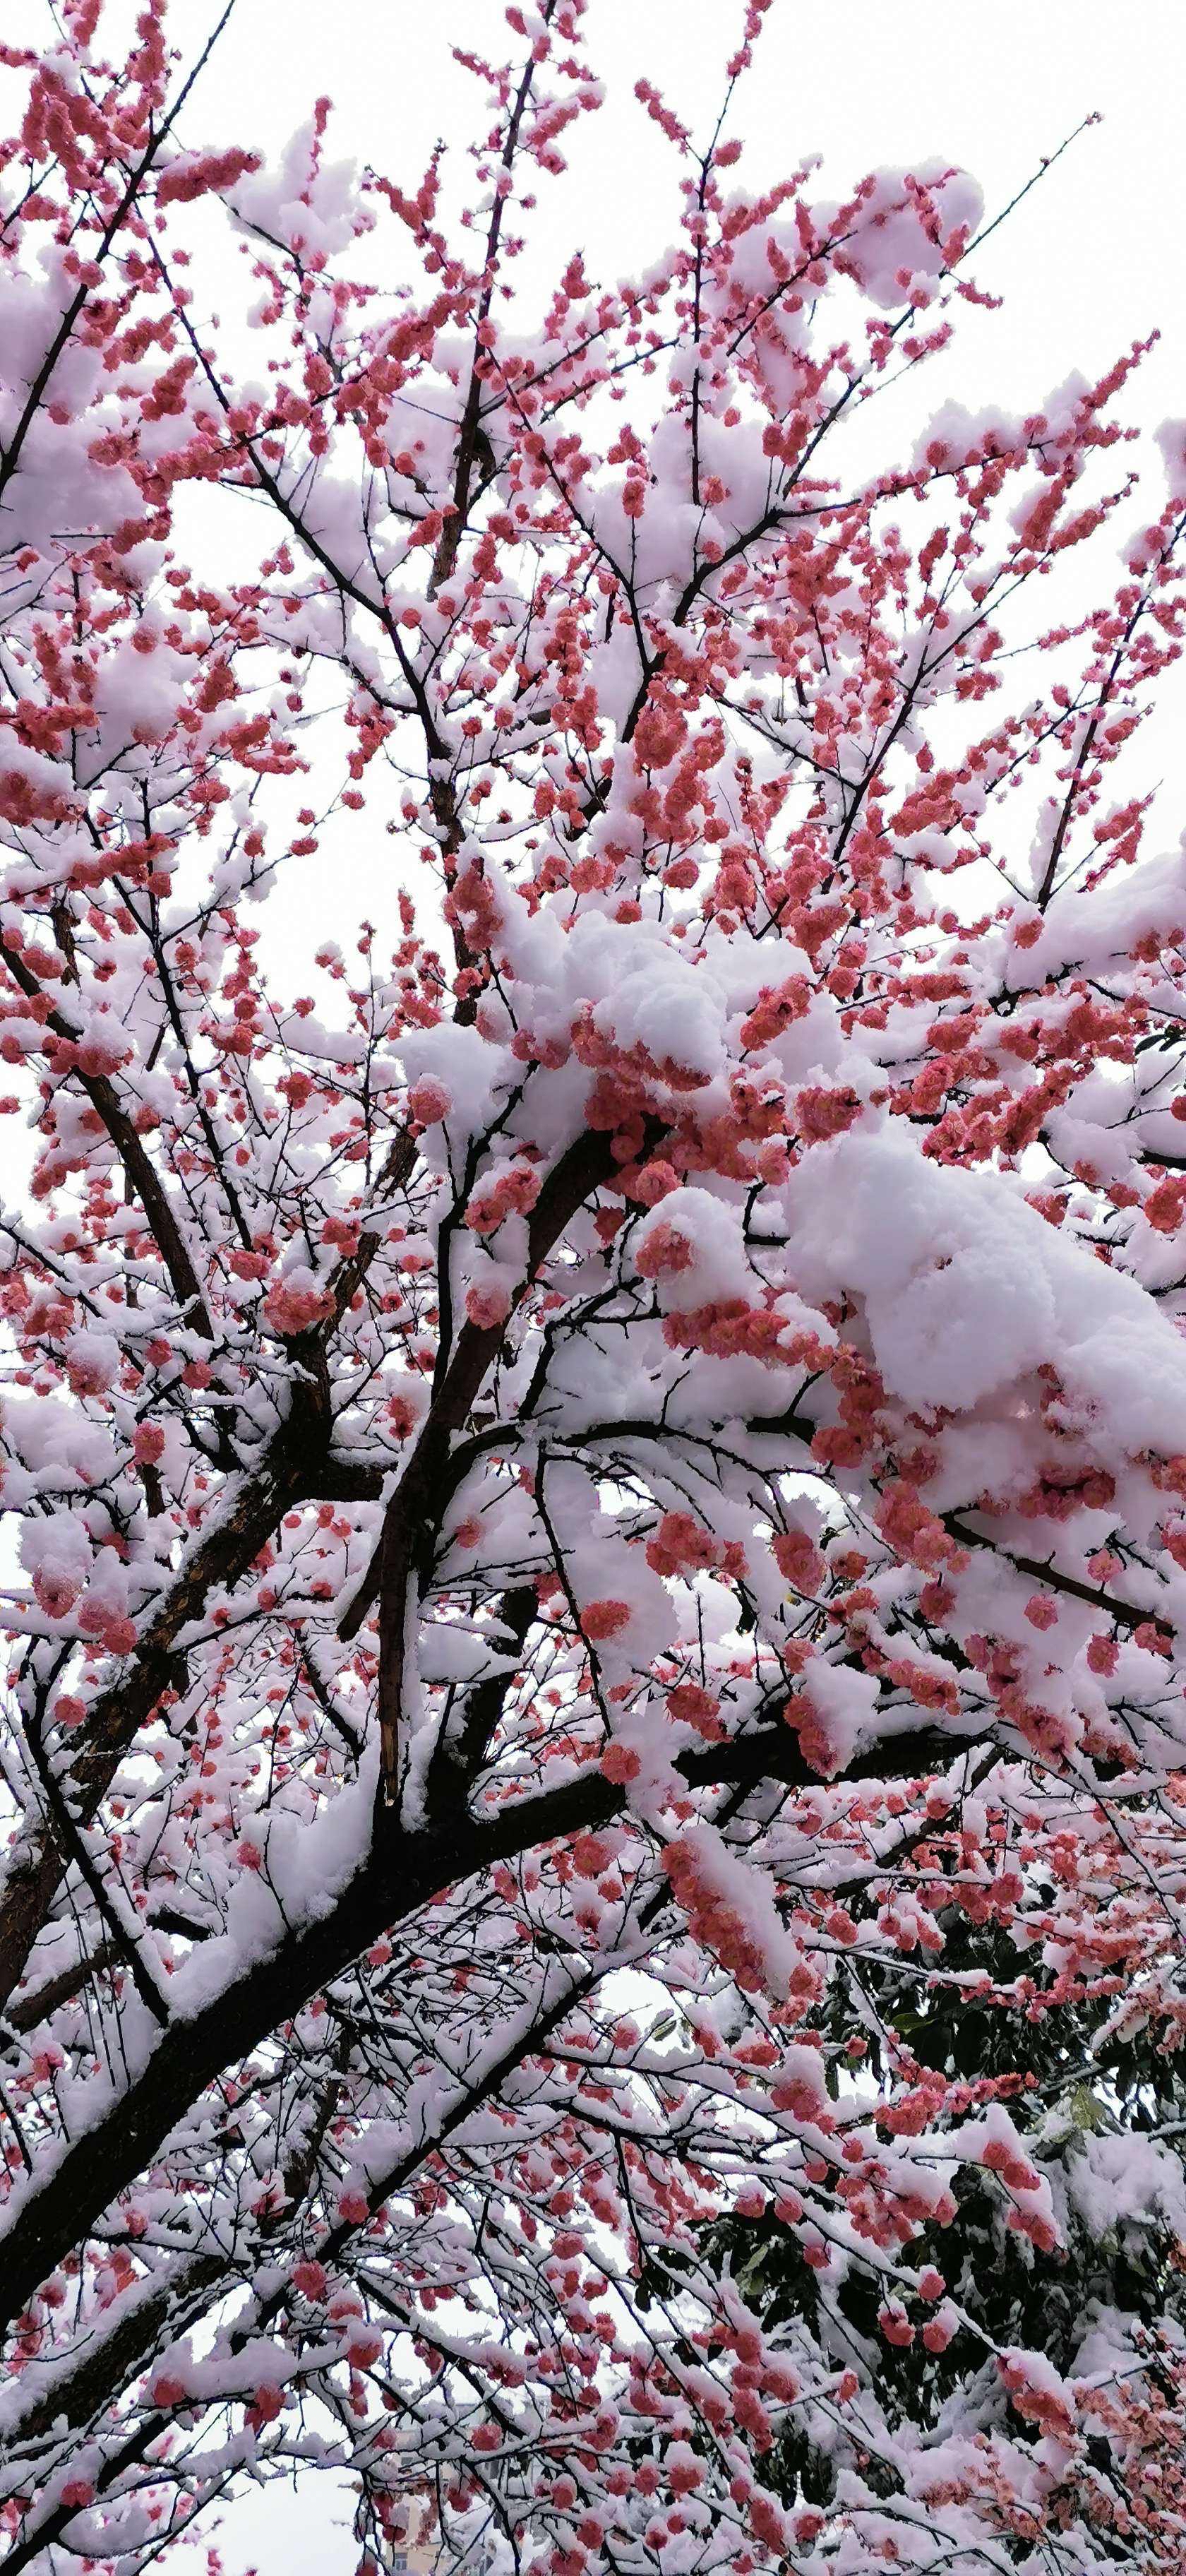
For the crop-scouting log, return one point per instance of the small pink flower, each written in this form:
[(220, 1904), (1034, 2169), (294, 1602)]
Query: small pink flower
[(429, 1101), (602, 1619), (665, 1250), (487, 1307)]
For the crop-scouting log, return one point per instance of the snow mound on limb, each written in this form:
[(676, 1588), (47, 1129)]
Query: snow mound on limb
[(966, 1290)]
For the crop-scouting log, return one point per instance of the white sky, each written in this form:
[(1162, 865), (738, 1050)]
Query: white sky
[(1095, 258)]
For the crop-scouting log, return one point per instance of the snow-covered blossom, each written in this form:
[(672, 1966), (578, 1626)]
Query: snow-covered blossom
[(594, 1741)]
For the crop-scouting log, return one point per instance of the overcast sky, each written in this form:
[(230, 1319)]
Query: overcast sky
[(1095, 258)]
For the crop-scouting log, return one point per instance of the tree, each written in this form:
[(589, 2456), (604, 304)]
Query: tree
[(594, 1728)]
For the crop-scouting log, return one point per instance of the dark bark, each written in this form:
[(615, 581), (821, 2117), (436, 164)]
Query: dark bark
[(400, 1874)]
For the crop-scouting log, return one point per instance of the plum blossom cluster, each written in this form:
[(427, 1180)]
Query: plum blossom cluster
[(594, 1740)]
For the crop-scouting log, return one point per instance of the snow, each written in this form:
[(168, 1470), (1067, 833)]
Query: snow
[(449, 1652), (1115, 2176), (234, 1792), (966, 1290), (701, 1233), (304, 1867), (303, 200), (843, 1702)]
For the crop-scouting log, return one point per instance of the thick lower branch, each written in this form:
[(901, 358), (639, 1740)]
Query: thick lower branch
[(54, 2212)]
